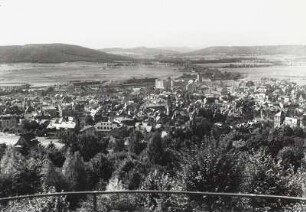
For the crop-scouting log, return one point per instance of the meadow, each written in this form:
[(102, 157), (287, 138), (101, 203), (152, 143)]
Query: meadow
[(51, 74)]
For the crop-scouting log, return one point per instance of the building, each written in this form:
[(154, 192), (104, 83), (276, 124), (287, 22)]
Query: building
[(88, 130), (27, 140), (292, 122), (105, 126), (260, 97), (50, 109), (8, 122), (279, 119), (163, 84), (67, 123)]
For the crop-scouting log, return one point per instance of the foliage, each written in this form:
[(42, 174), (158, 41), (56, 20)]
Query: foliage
[(158, 180), (12, 161), (124, 202), (99, 167), (131, 173), (155, 149), (2, 150), (52, 177), (44, 204), (230, 156), (214, 169), (265, 176), (89, 120), (55, 155), (291, 157), (88, 146), (75, 172), (135, 145), (18, 175), (29, 126)]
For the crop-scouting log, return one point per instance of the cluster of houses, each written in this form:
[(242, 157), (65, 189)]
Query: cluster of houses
[(172, 103), (282, 102)]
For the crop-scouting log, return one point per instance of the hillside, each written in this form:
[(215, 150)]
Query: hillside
[(182, 49), (54, 53), (140, 52), (251, 50)]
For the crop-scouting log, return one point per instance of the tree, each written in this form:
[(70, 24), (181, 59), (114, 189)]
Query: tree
[(89, 146), (20, 176), (212, 169), (55, 155), (12, 161), (74, 171), (265, 176), (250, 84), (116, 144), (288, 131), (159, 180), (29, 126), (44, 204), (291, 157), (201, 126), (53, 178), (298, 131), (247, 109), (135, 145), (131, 173), (89, 120), (99, 167), (155, 149), (2, 151)]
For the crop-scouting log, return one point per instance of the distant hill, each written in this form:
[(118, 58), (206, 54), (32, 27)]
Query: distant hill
[(54, 53), (178, 49), (141, 52), (250, 50)]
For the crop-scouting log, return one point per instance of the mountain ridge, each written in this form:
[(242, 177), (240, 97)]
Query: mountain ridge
[(250, 50), (54, 53), (141, 52)]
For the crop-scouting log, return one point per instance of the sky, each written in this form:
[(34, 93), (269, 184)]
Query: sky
[(153, 23)]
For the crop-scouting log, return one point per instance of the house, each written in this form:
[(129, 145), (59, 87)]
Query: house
[(8, 122), (50, 110), (278, 119), (260, 97), (144, 127), (88, 130), (163, 84), (292, 122), (261, 89), (27, 140), (62, 123), (303, 121), (65, 110), (105, 126)]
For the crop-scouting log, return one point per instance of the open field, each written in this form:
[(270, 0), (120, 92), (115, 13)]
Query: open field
[(11, 139), (293, 73), (50, 74)]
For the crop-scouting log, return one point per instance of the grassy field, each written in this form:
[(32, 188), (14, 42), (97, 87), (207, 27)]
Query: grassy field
[(293, 73), (50, 74)]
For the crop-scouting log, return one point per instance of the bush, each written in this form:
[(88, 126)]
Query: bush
[(44, 204)]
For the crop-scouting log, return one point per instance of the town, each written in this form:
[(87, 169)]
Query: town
[(90, 108), (155, 106), (153, 132)]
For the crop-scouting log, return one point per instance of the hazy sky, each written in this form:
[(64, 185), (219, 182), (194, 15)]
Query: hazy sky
[(153, 23)]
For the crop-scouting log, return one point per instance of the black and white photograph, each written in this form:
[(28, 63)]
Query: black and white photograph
[(152, 105)]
